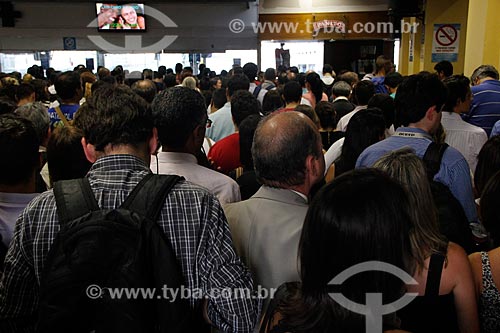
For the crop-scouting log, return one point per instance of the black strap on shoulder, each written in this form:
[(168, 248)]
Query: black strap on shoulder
[(74, 198), (434, 275), (273, 305), (256, 91), (148, 197), (432, 158)]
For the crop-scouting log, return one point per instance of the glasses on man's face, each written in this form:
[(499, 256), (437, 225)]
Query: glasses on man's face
[(440, 108)]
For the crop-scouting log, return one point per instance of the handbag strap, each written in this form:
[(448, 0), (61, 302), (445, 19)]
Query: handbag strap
[(61, 116)]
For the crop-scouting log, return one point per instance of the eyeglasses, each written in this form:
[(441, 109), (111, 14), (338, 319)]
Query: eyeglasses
[(440, 108)]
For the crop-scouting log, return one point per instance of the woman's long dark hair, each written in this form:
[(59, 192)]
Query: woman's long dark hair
[(365, 128), (361, 216), (316, 85)]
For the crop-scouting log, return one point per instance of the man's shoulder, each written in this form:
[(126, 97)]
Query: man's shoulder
[(452, 156), (187, 188), (372, 153), (222, 113), (486, 86)]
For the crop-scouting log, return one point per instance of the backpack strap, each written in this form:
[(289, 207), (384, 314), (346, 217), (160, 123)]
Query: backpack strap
[(148, 197), (74, 198), (432, 158), (256, 91), (434, 275)]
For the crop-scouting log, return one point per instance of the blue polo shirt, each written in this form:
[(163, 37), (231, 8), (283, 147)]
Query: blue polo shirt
[(454, 171), (485, 108)]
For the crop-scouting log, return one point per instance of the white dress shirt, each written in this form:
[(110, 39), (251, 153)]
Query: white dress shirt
[(342, 124), (185, 165), (464, 137)]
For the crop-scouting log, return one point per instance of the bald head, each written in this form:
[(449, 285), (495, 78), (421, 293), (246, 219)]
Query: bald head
[(146, 89), (282, 143)]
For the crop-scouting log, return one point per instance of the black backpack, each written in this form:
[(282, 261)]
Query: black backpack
[(111, 248), (453, 222), (258, 88)]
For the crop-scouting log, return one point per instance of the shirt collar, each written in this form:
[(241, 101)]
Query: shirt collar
[(175, 157), (119, 162), (302, 195), (412, 130), (340, 97)]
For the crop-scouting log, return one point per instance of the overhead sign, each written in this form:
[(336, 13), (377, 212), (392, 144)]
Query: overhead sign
[(69, 43), (445, 42)]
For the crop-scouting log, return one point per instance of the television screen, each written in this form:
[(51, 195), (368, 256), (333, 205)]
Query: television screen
[(120, 16)]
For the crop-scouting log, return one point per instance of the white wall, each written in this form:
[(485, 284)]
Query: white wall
[(202, 27)]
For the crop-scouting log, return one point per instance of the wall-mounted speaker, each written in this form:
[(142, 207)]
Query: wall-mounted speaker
[(8, 15)]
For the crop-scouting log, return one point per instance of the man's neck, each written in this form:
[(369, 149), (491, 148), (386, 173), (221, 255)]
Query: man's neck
[(419, 126), (140, 153), (292, 105), (485, 79)]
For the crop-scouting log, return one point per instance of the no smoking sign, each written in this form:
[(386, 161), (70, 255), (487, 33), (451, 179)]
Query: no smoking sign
[(446, 35), (446, 42)]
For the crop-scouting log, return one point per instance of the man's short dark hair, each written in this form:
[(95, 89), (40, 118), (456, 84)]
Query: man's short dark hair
[(162, 70), (292, 92), (219, 98), (393, 79), (170, 81), (385, 103), (67, 85), (237, 82), (24, 90), (116, 116), (270, 74), (415, 95), (341, 88), (18, 148), (65, 155), (146, 89), (382, 62), (444, 66), (176, 112), (243, 104), (363, 91), (279, 156), (457, 87), (250, 70), (327, 69)]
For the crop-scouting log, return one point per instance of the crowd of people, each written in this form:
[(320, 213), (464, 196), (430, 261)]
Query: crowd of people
[(287, 180)]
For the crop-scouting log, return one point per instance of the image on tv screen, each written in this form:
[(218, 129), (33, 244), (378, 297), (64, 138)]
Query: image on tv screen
[(120, 16)]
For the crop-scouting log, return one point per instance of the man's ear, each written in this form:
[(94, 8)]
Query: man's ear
[(153, 142), (430, 113), (89, 151)]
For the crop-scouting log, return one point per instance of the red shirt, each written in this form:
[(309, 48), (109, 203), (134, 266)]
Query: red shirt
[(225, 153)]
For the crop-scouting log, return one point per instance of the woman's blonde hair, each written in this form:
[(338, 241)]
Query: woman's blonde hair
[(407, 168)]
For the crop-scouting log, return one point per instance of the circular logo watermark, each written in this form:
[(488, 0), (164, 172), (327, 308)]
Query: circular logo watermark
[(236, 26), (133, 43), (374, 309)]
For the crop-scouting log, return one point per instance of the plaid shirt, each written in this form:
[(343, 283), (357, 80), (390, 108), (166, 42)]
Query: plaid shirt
[(192, 219)]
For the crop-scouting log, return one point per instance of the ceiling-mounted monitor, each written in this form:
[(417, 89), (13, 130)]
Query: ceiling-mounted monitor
[(120, 16)]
